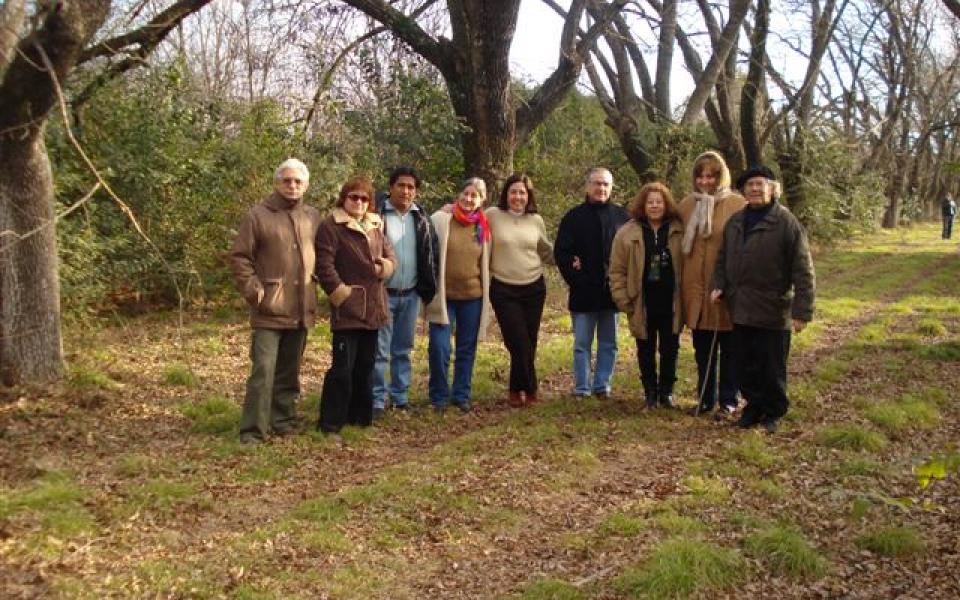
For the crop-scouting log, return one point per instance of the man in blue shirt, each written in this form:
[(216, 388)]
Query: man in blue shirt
[(408, 227)]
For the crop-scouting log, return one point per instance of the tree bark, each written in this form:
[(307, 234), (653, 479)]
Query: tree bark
[(30, 345), (753, 89)]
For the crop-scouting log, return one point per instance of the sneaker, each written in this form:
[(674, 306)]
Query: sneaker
[(724, 412), (748, 420), (666, 400)]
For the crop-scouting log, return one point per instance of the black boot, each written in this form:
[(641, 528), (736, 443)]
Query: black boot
[(651, 394)]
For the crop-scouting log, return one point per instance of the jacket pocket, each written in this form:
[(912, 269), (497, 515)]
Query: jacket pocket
[(273, 297), (354, 308)]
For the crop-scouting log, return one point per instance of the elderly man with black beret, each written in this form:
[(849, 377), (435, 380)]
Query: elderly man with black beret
[(765, 273)]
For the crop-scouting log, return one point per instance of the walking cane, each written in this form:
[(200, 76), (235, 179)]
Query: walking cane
[(703, 388)]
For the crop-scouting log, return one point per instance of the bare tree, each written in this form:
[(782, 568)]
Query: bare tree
[(474, 64), (44, 56)]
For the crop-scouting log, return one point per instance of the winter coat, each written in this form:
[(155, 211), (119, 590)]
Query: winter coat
[(272, 260), (580, 235), (767, 279), (626, 274), (436, 311), (948, 209), (698, 266), (428, 252), (352, 263)]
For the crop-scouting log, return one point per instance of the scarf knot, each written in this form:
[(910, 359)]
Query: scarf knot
[(475, 218)]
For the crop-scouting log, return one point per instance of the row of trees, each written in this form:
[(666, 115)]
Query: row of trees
[(854, 100)]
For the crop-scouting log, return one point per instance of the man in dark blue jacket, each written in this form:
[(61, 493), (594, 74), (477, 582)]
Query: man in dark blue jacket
[(582, 251), (408, 227)]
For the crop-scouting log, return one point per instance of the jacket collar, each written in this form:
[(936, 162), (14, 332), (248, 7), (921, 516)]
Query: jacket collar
[(276, 202), (370, 219)]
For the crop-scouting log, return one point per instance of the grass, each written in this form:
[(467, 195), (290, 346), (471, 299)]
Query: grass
[(850, 437), (622, 525), (214, 415), (180, 375), (681, 567), (785, 552), (756, 451), (88, 377), (159, 494), (54, 504), (903, 416), (893, 541), (549, 589)]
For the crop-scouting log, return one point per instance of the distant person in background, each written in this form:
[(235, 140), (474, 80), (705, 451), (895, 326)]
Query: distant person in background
[(645, 275), (765, 273), (272, 261), (353, 260), (705, 213), (582, 251), (461, 308), (520, 250), (410, 231), (948, 210)]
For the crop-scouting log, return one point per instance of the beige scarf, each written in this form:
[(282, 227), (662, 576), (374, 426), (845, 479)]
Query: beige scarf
[(701, 221)]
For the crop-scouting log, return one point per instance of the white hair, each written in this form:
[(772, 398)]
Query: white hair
[(292, 163), (476, 182), (595, 170)]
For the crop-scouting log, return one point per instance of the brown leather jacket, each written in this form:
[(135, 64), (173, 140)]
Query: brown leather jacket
[(352, 264), (273, 260)]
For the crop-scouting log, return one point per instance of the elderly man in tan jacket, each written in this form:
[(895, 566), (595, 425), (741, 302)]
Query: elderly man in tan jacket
[(273, 262)]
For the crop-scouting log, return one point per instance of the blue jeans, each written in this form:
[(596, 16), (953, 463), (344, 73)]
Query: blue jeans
[(464, 317), (394, 344), (585, 324)]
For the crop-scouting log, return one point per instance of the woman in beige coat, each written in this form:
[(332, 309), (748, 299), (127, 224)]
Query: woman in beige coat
[(705, 213)]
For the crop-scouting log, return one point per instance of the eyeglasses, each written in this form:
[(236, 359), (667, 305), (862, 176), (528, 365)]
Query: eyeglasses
[(292, 180), (358, 197)]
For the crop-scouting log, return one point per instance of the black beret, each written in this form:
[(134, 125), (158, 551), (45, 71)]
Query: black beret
[(755, 171)]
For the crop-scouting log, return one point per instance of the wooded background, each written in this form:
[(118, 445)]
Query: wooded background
[(133, 135)]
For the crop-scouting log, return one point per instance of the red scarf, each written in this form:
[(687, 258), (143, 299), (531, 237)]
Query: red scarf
[(476, 218)]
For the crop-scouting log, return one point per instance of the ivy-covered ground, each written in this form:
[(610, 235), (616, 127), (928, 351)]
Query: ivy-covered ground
[(128, 481)]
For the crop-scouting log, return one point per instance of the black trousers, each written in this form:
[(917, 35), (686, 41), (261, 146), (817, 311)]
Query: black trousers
[(947, 227), (659, 334), (724, 351), (347, 396), (763, 374), (519, 309)]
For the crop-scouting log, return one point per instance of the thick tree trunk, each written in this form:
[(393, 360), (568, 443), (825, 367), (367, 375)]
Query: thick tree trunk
[(30, 346)]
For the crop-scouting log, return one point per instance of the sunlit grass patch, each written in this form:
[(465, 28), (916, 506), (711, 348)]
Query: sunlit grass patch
[(786, 552), (621, 525), (55, 503), (214, 415), (860, 508), (549, 589), (705, 490), (671, 522), (905, 415), (851, 437), (893, 541), (931, 327), (755, 450), (681, 567), (270, 463), (180, 375)]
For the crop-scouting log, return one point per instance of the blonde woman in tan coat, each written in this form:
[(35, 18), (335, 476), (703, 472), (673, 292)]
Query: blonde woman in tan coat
[(705, 213)]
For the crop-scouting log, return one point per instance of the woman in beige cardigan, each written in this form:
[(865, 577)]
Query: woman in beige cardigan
[(705, 213)]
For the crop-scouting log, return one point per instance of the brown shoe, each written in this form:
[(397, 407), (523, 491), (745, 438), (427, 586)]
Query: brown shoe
[(516, 399), (531, 398)]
